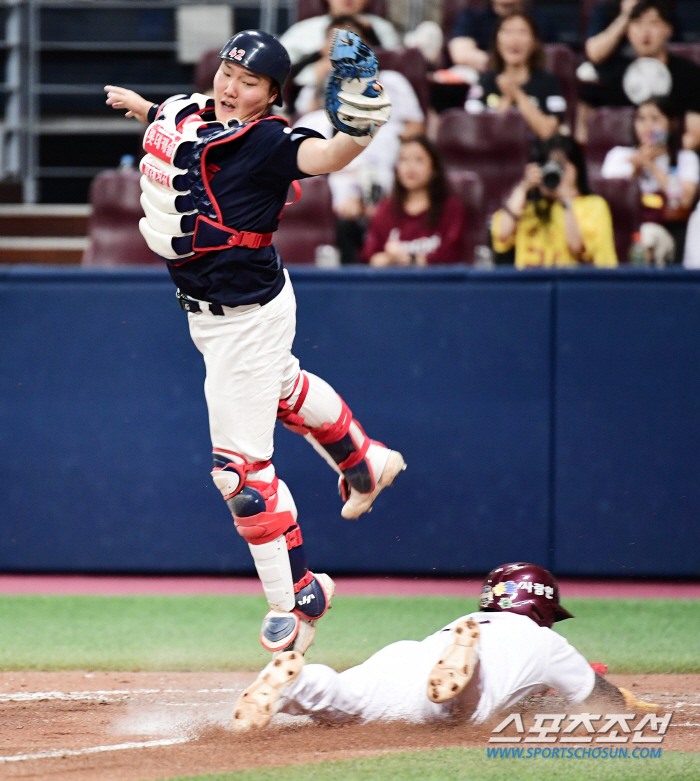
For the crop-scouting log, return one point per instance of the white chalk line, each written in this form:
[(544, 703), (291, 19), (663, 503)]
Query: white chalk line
[(103, 694), (92, 750)]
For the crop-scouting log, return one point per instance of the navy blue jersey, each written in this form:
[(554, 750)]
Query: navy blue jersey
[(249, 177)]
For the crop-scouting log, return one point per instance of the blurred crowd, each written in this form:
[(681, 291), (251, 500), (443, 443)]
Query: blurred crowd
[(505, 146)]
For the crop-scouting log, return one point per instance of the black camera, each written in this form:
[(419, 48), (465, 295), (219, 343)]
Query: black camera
[(552, 173)]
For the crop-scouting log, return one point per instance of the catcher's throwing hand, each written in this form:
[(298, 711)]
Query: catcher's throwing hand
[(121, 98)]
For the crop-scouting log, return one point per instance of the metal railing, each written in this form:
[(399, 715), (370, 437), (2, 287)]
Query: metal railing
[(22, 45)]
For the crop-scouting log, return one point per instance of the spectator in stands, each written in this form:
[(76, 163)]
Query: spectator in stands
[(474, 31), (421, 223), (551, 218), (518, 79), (606, 43), (360, 185), (305, 40), (668, 177), (649, 31)]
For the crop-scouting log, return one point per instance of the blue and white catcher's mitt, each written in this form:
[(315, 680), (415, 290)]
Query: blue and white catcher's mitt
[(356, 103)]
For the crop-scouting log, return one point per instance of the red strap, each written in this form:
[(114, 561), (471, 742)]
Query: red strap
[(334, 432), (304, 582), (246, 466), (266, 489), (294, 538), (235, 238), (297, 193), (354, 458), (302, 393)]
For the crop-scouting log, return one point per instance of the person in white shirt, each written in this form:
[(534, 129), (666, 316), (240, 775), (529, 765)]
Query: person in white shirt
[(308, 37), (668, 177), (360, 185), (480, 664)]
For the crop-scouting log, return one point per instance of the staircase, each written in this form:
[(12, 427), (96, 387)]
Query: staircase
[(43, 233)]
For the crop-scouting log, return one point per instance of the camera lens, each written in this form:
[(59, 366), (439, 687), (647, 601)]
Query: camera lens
[(552, 173)]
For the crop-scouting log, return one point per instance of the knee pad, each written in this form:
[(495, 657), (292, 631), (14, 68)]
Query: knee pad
[(230, 471), (265, 516)]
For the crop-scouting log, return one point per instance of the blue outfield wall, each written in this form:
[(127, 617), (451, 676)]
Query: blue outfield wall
[(547, 416)]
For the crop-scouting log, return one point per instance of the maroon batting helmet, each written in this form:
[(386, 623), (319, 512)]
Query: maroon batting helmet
[(525, 589)]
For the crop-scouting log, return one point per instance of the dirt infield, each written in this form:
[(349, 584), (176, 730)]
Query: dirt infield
[(73, 726)]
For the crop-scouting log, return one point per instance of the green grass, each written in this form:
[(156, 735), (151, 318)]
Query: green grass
[(455, 764), (221, 633)]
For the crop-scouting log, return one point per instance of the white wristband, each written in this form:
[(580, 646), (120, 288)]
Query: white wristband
[(362, 140)]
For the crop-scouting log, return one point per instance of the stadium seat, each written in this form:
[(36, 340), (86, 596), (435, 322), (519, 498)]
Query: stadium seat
[(308, 8), (205, 70), (411, 63), (561, 60), (469, 188), (607, 127), (113, 229), (307, 224), (495, 146), (624, 199)]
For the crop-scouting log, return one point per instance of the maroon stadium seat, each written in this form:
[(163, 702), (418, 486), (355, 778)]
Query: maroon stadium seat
[(306, 224), (469, 188), (114, 225), (561, 60), (411, 63), (689, 50), (495, 146), (624, 199), (608, 127), (206, 69), (308, 8)]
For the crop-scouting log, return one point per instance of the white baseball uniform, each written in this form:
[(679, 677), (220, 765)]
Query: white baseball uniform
[(242, 318), (516, 658)]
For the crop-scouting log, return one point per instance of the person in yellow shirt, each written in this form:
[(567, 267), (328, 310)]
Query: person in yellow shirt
[(551, 217)]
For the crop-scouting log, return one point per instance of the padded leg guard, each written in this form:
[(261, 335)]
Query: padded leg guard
[(366, 467), (284, 631), (258, 703), (265, 516)]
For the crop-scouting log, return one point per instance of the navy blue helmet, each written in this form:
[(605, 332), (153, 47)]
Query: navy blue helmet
[(262, 53)]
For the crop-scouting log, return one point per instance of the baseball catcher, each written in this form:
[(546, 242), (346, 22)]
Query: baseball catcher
[(215, 178), (477, 665)]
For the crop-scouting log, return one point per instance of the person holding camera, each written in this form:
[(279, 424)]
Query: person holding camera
[(551, 218)]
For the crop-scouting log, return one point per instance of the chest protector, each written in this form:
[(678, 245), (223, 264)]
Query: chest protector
[(182, 218)]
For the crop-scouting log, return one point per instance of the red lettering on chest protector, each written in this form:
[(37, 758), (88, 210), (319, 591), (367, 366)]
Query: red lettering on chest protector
[(161, 142), (156, 174), (212, 169)]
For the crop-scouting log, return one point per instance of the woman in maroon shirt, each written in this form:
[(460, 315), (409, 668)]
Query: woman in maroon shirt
[(422, 222)]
